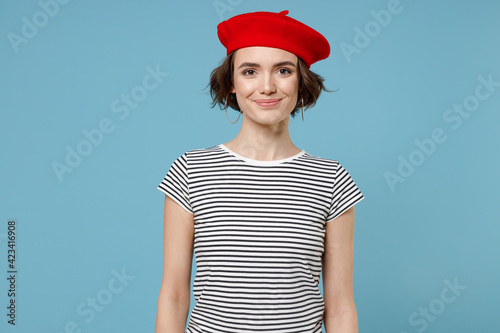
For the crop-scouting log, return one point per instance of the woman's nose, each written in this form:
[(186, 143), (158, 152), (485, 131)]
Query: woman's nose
[(267, 84)]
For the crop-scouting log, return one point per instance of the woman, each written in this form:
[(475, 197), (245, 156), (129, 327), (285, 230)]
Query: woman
[(263, 216)]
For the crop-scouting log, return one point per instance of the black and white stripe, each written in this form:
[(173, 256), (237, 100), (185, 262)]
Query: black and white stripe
[(259, 236)]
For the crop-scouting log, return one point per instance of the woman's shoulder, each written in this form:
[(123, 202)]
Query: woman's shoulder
[(200, 154), (196, 152), (321, 160)]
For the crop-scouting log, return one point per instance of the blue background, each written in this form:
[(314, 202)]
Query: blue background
[(438, 224)]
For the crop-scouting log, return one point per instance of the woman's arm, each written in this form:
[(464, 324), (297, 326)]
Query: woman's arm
[(340, 310), (175, 291)]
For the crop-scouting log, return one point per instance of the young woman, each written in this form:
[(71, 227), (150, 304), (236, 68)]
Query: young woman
[(263, 216)]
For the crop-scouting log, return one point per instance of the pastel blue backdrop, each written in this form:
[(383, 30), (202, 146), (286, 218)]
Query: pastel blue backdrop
[(415, 121)]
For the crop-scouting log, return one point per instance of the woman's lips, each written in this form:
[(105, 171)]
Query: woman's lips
[(267, 103)]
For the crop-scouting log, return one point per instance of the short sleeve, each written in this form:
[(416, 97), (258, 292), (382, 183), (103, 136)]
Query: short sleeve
[(176, 183), (344, 195)]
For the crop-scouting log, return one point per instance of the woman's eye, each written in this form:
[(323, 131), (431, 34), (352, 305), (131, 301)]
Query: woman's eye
[(248, 72), (285, 71)]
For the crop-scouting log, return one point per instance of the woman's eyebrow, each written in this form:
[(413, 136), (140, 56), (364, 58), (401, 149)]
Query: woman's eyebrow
[(253, 64)]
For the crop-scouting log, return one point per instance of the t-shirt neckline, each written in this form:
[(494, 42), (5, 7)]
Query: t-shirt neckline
[(260, 162)]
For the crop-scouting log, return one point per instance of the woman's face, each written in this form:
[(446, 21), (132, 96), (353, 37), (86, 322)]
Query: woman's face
[(266, 83)]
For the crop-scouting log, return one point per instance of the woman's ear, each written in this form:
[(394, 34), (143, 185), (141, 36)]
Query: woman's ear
[(232, 91)]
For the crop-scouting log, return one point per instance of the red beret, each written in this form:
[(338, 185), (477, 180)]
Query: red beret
[(273, 30)]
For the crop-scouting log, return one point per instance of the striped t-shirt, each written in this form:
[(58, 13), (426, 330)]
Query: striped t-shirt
[(259, 236)]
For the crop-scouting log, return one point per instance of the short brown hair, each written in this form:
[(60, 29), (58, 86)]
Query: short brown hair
[(221, 81)]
